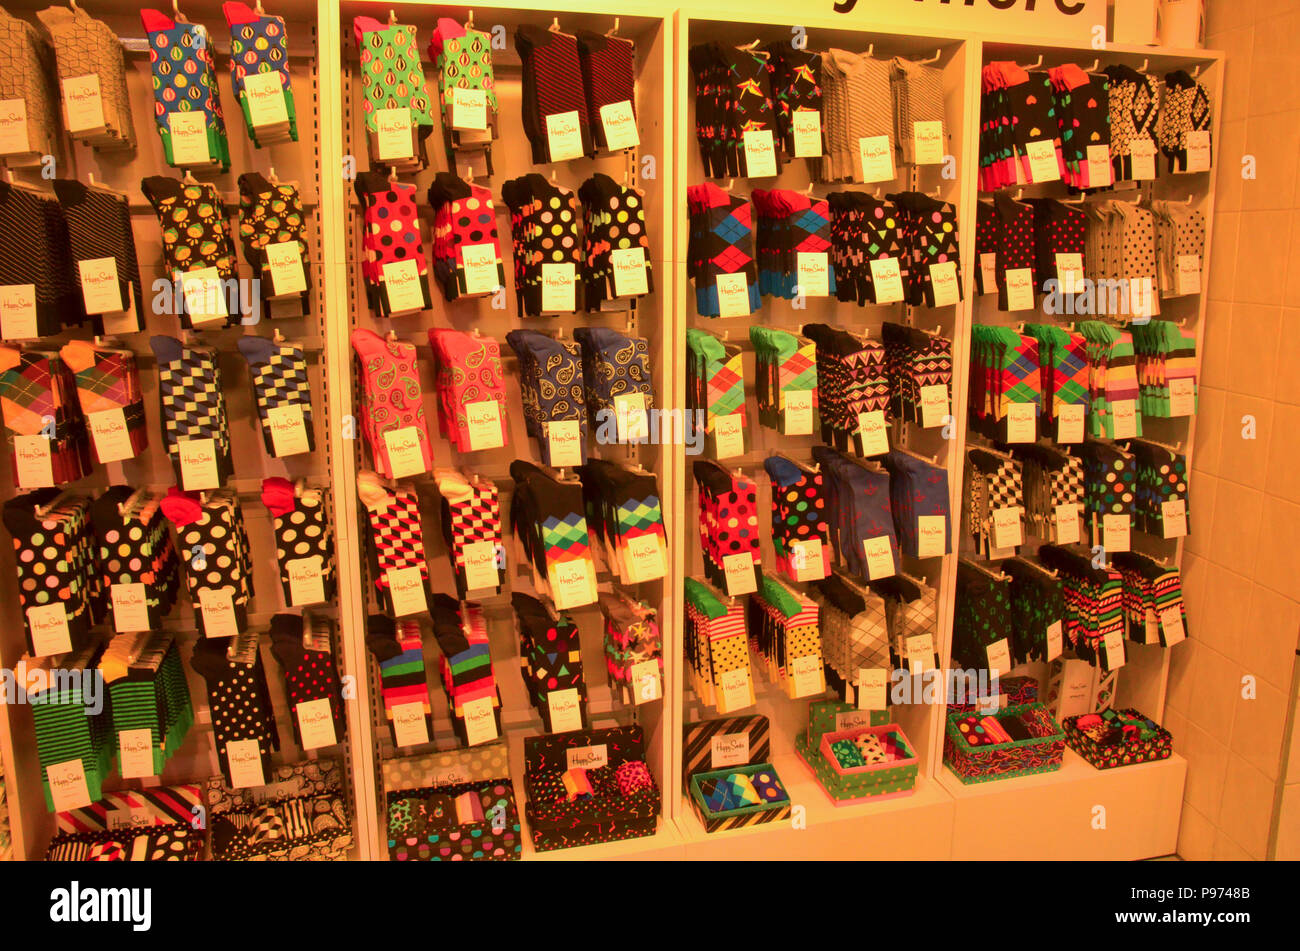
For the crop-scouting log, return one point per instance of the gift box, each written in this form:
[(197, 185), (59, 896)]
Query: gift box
[(868, 781), (716, 750), (1012, 692), (585, 787), (457, 806), (1041, 752), (825, 716), (300, 815), (155, 842), (158, 806), (1117, 738)]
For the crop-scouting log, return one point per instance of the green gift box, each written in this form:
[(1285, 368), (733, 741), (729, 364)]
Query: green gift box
[(830, 720)]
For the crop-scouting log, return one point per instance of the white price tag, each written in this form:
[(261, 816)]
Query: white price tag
[(559, 288), (571, 583), (68, 788), (480, 721), (264, 93), (880, 557), (1069, 423), (1020, 288), (920, 653), (1173, 516), (943, 283), (739, 571), (989, 272), (564, 442), (13, 127), (1069, 272), (729, 435), (873, 433), (135, 753), (284, 261), (198, 464), (628, 265), (927, 139), (1171, 622), (1115, 531), (645, 558), (737, 690), (1198, 150), (480, 560), (1055, 641), (109, 433), (130, 608), (566, 710), (873, 683), (760, 153), (587, 757), (403, 284), (1189, 274), (807, 127), (564, 136), (646, 682), (931, 536), (189, 138), (480, 263), (1007, 527), (733, 295), (306, 583), (619, 123), (468, 108), (1142, 156), (1099, 167), (999, 656), (393, 134), (1022, 422), (18, 312), (48, 624), (729, 749), (1141, 297), (1125, 422), (814, 273), (405, 457), (409, 725), (1043, 166), (100, 291), (1182, 396), (798, 412), (204, 299), (288, 430), (406, 591), (1116, 656), (934, 405), (886, 280), (35, 468), (1067, 523), (483, 423), (217, 605), (245, 759), (809, 678), (876, 156), (631, 416), (806, 560), (316, 723)]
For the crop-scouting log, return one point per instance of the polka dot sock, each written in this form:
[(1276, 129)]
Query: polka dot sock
[(308, 674), (239, 701), (304, 536), (728, 516), (391, 241), (214, 547), (613, 218), (464, 229), (543, 230)]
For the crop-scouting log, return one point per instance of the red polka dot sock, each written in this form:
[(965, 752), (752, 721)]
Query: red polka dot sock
[(391, 240), (467, 257), (309, 673)]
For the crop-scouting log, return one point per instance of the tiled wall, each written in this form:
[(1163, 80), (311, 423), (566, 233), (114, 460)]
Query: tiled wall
[(1242, 570)]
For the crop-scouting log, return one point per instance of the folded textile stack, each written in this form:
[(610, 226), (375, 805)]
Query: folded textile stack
[(785, 380), (717, 650), (466, 670), (715, 394), (44, 428)]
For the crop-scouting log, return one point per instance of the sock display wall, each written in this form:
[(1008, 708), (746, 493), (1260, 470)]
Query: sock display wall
[(524, 229)]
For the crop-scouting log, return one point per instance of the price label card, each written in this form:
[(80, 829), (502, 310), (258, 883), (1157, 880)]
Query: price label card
[(1067, 523), (316, 723), (68, 787), (807, 127), (1020, 288), (873, 684), (1043, 166), (284, 261), (1115, 533), (410, 727), (1142, 156), (13, 127), (288, 430), (1171, 622), (1189, 274), (264, 93), (931, 536), (760, 153), (739, 570), (564, 135), (1055, 641), (989, 272), (920, 653), (733, 295), (480, 263), (1125, 423), (393, 134), (1069, 423), (204, 300), (814, 273), (480, 721), (402, 282), (405, 457), (877, 158), (18, 312), (1198, 150), (587, 757), (218, 609), (619, 123), (135, 753), (245, 759), (628, 265), (483, 421), (564, 440), (880, 557), (1116, 657), (873, 433), (306, 583), (571, 585), (1173, 517), (559, 288), (1141, 297), (927, 138), (737, 690), (566, 710), (469, 108), (48, 624), (646, 682), (406, 591), (934, 405), (189, 138), (198, 464), (130, 608), (109, 433), (806, 560), (729, 435), (480, 560), (1069, 273), (798, 412), (1007, 528), (1099, 167), (631, 416), (809, 678), (1022, 422), (645, 559), (729, 749), (999, 656), (35, 468), (943, 282), (100, 291), (886, 280), (1182, 396)]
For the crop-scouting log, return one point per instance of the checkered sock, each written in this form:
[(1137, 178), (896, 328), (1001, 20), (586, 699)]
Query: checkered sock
[(471, 514), (397, 541), (193, 401), (279, 374)]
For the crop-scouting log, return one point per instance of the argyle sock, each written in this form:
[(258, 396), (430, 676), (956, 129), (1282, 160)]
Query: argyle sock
[(721, 243), (547, 516), (282, 393), (193, 403), (391, 239), (184, 81), (624, 514), (392, 404), (99, 227), (108, 383), (196, 241), (258, 46), (400, 653), (309, 674), (392, 78), (471, 516), (239, 701), (36, 386), (304, 538), (470, 390), (718, 384), (396, 539), (271, 216)]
